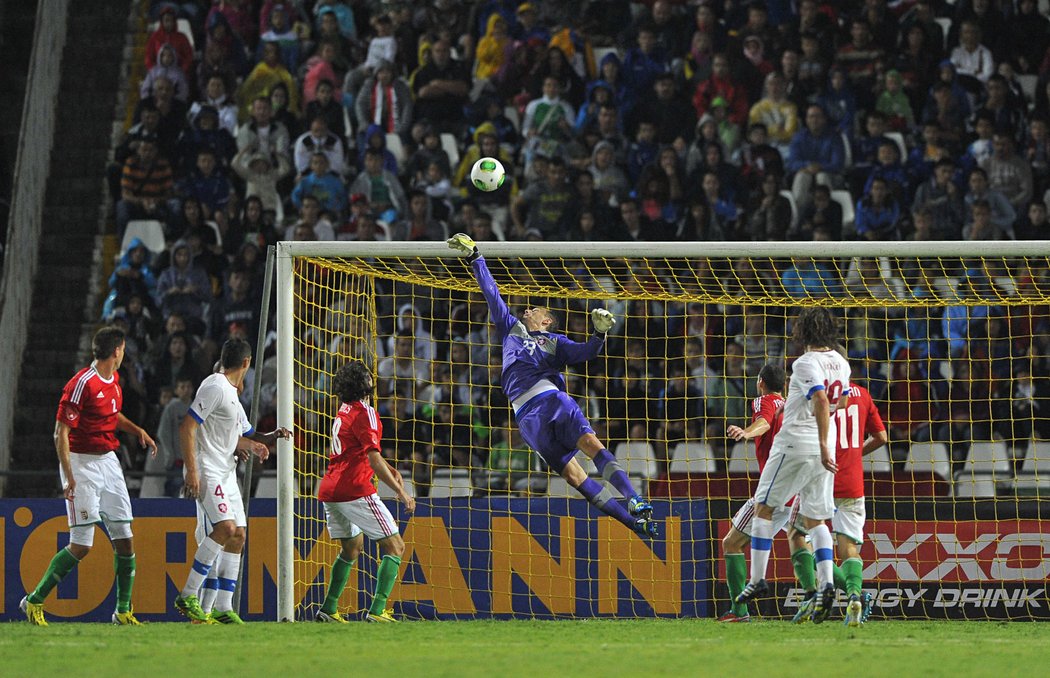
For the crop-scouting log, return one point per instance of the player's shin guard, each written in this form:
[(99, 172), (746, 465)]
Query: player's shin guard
[(822, 552), (209, 589), (61, 564), (736, 575), (203, 560), (805, 569), (852, 570), (614, 474), (229, 567), (386, 577), (124, 566), (336, 583), (761, 544), (593, 492)]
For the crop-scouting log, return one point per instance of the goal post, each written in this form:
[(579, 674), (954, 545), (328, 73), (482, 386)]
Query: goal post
[(949, 336)]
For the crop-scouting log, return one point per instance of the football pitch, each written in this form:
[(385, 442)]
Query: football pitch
[(522, 648)]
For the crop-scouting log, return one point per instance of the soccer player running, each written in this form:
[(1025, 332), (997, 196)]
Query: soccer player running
[(802, 459), (550, 421), (351, 503), (860, 431), (214, 433), (767, 415), (92, 480)]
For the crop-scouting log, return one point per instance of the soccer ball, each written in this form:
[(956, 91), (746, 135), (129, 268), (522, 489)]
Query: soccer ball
[(487, 174)]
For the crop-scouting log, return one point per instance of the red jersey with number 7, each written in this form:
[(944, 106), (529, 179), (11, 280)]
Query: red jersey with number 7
[(853, 424), (89, 407), (355, 432), (771, 408)]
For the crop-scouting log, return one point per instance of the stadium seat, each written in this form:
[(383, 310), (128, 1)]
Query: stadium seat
[(1037, 461), (588, 466), (794, 206), (396, 148), (511, 112), (559, 487), (988, 457), (878, 461), (845, 200), (448, 144), (601, 52), (976, 486), (927, 457), (902, 148), (386, 492), (742, 459), (267, 487), (181, 25), (847, 150), (150, 231), (637, 459), (451, 483), (692, 458), (1028, 84), (215, 229), (946, 25)]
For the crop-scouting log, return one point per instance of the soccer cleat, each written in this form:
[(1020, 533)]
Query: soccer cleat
[(805, 608), (227, 617), (333, 618), (190, 607), (752, 591), (647, 528), (824, 602), (34, 613), (734, 618), (385, 617), (866, 601), (640, 508), (854, 611), (126, 618)]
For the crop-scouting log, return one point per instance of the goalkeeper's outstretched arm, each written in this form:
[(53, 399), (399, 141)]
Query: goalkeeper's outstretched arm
[(502, 318), (572, 352)]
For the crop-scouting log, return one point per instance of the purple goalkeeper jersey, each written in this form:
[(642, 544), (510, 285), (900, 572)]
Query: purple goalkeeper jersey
[(529, 357)]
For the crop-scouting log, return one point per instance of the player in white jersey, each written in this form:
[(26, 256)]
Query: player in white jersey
[(802, 460), (214, 432)]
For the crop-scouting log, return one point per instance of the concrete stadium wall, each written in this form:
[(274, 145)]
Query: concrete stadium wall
[(27, 205)]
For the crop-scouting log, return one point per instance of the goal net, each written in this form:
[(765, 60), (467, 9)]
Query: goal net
[(951, 339)]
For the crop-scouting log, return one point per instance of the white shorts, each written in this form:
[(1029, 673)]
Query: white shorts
[(347, 519), (785, 475), (849, 519), (101, 493), (743, 517), (220, 500)]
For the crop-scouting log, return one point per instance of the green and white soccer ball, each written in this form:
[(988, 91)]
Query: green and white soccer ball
[(487, 174)]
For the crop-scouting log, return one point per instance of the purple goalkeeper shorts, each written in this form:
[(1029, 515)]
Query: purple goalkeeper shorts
[(551, 423)]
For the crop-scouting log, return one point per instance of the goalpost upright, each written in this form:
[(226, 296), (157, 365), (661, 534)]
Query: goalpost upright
[(289, 252)]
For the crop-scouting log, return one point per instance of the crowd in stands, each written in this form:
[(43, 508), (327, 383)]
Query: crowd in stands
[(809, 120)]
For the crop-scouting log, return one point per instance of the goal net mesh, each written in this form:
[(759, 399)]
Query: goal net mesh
[(954, 351)]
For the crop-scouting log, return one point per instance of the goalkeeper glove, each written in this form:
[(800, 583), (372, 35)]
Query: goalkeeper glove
[(462, 243), (603, 320)]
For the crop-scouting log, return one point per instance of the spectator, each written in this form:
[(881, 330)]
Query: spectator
[(282, 113), (167, 67), (644, 62), (381, 187), (770, 213), (1005, 115), (815, 156), (319, 140), (131, 277), (267, 74), (208, 184), (167, 34), (757, 157), (721, 84), (325, 105), (276, 26), (894, 104), (838, 103), (418, 223), (384, 100), (548, 122), (544, 203), (261, 175), (172, 111), (1035, 225), (263, 134), (859, 58), (1008, 173), (777, 113), (671, 115), (215, 95), (1002, 212), (888, 167), (321, 68), (981, 226), (239, 305), (808, 278), (823, 215), (145, 186), (727, 396), (973, 61), (942, 198), (441, 87)]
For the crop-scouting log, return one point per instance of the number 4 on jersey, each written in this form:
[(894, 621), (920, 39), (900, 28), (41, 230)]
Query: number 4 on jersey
[(219, 492)]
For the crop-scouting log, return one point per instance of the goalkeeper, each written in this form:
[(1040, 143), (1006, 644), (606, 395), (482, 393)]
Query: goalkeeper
[(550, 421)]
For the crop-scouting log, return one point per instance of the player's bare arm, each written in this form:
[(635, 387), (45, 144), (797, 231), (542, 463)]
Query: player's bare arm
[(62, 449), (247, 445), (874, 442), (757, 428), (188, 445), (822, 413), (382, 471), (127, 426)]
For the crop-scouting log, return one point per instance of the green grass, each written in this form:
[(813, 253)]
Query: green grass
[(487, 648)]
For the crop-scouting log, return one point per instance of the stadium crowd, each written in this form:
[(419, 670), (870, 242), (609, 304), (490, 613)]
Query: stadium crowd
[(661, 120)]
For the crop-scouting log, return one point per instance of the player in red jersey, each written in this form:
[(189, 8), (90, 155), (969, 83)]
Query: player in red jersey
[(860, 431), (351, 503), (767, 412), (92, 481)]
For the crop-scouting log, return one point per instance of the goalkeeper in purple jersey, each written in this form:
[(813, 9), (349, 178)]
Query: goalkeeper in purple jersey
[(550, 421)]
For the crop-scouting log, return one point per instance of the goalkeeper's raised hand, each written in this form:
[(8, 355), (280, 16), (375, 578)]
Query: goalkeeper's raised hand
[(603, 320), (464, 244)]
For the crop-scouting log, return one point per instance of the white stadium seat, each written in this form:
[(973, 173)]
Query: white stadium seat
[(845, 200), (878, 461), (927, 457), (1037, 460), (988, 457), (150, 231), (637, 459), (451, 483), (448, 144), (692, 458), (742, 458), (976, 486)]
